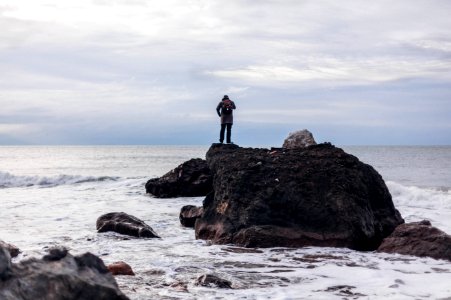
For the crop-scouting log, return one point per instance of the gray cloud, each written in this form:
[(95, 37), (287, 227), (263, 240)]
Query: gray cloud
[(153, 71)]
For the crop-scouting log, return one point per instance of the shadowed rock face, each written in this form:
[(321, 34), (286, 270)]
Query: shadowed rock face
[(418, 239), (125, 224), (13, 250), (189, 214), (64, 277), (318, 195), (190, 179)]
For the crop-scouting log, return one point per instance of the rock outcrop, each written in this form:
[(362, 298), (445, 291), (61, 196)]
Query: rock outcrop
[(418, 239), (318, 196), (190, 179), (189, 214), (299, 139), (13, 250), (65, 278), (123, 223)]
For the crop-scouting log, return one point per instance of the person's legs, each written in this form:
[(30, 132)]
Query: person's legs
[(229, 133), (221, 134)]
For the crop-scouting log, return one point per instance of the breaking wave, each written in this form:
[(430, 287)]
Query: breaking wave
[(8, 180), (416, 203)]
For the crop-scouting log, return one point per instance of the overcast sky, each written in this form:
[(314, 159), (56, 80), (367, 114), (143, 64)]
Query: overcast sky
[(353, 72)]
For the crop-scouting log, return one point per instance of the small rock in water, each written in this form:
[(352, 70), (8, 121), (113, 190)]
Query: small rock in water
[(213, 280), (123, 223), (120, 268), (418, 239)]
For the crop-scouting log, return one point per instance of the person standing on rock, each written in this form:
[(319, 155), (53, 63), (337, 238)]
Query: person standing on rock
[(225, 111)]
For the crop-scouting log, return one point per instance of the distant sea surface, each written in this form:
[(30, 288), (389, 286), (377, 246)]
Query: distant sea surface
[(52, 195)]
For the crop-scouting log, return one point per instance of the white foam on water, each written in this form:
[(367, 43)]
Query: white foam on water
[(416, 204), (65, 214), (8, 180)]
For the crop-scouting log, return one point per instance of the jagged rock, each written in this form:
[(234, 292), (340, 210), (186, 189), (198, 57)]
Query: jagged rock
[(123, 223), (318, 196), (120, 268), (189, 214), (66, 278), (13, 250), (190, 179), (299, 139), (213, 280), (418, 239)]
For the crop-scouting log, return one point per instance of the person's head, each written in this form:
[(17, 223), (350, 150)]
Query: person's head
[(225, 97)]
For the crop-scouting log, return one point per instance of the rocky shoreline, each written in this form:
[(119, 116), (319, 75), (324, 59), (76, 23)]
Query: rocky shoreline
[(302, 194)]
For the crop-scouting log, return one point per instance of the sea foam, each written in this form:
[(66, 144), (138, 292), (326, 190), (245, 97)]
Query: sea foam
[(418, 203), (8, 180)]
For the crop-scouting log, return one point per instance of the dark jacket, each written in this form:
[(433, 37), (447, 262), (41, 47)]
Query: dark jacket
[(225, 119)]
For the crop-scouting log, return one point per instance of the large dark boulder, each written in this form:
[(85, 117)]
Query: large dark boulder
[(123, 223), (190, 179), (418, 239), (64, 277), (318, 196), (189, 214)]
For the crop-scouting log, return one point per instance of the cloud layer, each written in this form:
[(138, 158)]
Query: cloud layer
[(152, 72)]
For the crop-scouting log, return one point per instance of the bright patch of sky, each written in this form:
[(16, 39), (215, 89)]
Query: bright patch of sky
[(153, 71)]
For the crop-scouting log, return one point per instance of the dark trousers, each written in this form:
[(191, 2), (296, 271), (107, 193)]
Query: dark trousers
[(229, 132)]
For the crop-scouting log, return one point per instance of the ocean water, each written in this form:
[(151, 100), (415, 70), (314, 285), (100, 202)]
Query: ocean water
[(53, 196)]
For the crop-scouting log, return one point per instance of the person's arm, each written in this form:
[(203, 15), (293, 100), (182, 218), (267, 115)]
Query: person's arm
[(218, 108), (233, 105)]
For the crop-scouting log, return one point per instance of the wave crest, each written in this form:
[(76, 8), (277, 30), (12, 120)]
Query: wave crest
[(8, 180)]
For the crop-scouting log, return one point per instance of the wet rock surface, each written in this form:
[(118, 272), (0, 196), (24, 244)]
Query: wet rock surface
[(318, 196), (213, 281), (120, 268), (123, 223), (13, 250), (418, 239), (189, 214), (62, 277), (190, 179)]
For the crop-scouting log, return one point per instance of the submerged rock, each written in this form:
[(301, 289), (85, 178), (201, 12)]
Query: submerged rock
[(213, 281), (120, 268), (299, 139), (123, 223), (190, 179), (13, 250), (418, 239), (318, 196), (66, 278), (189, 214)]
